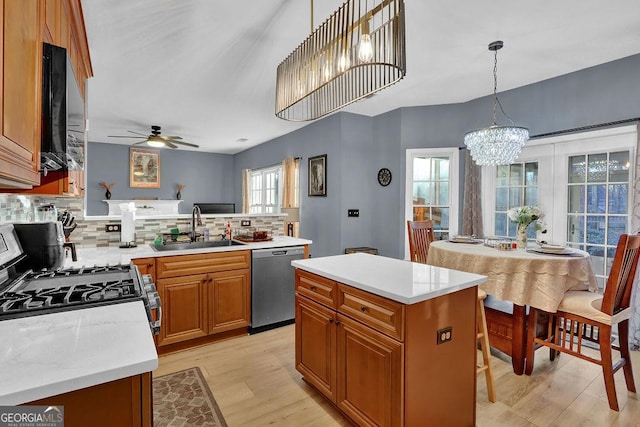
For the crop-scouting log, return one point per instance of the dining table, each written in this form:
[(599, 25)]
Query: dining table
[(524, 277)]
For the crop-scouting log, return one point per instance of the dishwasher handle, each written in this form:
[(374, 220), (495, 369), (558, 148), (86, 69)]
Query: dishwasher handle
[(277, 252)]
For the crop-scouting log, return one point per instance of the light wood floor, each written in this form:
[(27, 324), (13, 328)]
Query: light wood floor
[(255, 383)]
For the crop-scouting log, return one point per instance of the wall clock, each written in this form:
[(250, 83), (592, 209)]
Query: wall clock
[(384, 177)]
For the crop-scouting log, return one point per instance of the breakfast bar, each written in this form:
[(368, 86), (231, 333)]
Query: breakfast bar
[(388, 342)]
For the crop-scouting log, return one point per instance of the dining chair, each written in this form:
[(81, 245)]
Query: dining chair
[(420, 237), (588, 316), (483, 343)]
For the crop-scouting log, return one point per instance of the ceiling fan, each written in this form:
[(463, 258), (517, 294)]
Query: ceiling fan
[(156, 139)]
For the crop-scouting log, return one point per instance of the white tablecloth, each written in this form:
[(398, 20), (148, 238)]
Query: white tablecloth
[(519, 276)]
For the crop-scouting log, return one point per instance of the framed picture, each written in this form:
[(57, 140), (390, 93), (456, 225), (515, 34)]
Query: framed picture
[(144, 168), (318, 175)]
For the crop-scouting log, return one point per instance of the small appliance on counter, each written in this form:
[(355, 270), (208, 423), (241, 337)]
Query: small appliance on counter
[(32, 292), (128, 225), (43, 242)]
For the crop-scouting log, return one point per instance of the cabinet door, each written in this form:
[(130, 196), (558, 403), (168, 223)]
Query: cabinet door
[(370, 383), (183, 304), (316, 345), (21, 68), (146, 266), (229, 300)]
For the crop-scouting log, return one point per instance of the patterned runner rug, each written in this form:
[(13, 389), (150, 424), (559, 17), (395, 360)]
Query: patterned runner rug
[(184, 399)]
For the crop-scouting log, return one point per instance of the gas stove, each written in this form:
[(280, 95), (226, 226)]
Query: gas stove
[(32, 293)]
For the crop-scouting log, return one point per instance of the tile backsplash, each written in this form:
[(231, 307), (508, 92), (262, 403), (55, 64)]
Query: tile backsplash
[(91, 233)]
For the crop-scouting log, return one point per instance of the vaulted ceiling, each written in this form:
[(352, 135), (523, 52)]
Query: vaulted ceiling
[(205, 69)]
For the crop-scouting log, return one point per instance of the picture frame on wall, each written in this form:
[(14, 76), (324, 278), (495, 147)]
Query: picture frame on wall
[(318, 175), (144, 168)]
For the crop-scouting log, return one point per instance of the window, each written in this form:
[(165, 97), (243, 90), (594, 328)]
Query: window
[(432, 189), (265, 190), (516, 185), (581, 182)]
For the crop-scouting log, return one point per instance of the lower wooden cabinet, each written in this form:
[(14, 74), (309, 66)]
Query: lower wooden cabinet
[(379, 361), (370, 374), (228, 300), (146, 266), (124, 402), (184, 308), (316, 345), (203, 295)]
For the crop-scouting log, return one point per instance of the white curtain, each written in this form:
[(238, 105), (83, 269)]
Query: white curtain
[(634, 324), (291, 187)]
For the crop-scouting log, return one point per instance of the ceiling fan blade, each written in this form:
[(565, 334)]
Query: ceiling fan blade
[(170, 145), (137, 133), (138, 143), (125, 136), (188, 144), (172, 136)]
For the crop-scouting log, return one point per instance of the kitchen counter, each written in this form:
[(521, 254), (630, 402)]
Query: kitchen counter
[(113, 255), (50, 354), (401, 281)]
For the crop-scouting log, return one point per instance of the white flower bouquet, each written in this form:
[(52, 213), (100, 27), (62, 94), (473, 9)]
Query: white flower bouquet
[(526, 215)]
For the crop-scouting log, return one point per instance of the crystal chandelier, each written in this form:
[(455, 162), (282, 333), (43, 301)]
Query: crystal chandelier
[(357, 51), (496, 145)]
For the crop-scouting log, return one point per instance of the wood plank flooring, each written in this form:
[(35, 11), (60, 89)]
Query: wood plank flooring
[(255, 383)]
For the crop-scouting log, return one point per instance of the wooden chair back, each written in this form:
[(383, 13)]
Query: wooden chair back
[(420, 237), (617, 293)]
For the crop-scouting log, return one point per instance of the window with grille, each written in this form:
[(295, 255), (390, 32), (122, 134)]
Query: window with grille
[(265, 190)]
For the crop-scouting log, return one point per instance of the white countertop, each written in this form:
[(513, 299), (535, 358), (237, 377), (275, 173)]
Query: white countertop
[(114, 255), (50, 354), (403, 281)]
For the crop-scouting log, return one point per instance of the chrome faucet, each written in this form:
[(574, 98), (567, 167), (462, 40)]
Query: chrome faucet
[(195, 213)]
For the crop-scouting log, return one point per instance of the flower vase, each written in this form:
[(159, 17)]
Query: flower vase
[(521, 236), (178, 195), (107, 195)]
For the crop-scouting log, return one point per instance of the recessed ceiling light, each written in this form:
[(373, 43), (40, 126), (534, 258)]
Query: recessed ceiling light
[(242, 140)]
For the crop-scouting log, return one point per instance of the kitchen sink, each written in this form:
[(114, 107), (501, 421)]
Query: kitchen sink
[(193, 245)]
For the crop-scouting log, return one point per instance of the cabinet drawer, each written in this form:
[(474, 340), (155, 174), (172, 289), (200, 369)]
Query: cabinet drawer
[(182, 265), (317, 288), (380, 313)]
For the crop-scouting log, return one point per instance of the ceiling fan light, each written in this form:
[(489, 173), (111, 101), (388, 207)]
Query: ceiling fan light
[(155, 141)]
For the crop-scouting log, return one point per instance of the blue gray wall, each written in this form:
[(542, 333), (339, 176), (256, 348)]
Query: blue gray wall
[(357, 147), (207, 177)]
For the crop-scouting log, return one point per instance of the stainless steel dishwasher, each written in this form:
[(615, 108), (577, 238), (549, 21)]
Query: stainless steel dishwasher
[(273, 287)]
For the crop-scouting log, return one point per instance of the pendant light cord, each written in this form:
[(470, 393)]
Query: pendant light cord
[(495, 87)]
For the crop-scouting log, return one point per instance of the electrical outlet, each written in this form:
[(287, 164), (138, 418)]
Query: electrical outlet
[(353, 212), (112, 228), (245, 222), (444, 335)]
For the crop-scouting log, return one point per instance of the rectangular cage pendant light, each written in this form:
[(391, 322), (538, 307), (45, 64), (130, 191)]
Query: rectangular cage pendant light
[(357, 51)]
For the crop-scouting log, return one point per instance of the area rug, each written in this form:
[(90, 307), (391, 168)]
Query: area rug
[(183, 399)]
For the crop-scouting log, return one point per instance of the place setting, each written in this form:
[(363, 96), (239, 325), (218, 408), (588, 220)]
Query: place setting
[(465, 239), (545, 248)]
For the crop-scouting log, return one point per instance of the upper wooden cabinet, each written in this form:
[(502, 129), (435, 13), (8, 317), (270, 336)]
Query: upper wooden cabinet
[(26, 24), (20, 64)]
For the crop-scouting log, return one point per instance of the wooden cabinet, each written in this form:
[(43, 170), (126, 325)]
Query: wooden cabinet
[(203, 294), (26, 25), (146, 266), (316, 345), (21, 71), (379, 361), (229, 300), (184, 308), (124, 402)]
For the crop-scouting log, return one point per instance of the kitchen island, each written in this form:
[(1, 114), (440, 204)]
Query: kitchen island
[(69, 358), (388, 342)]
